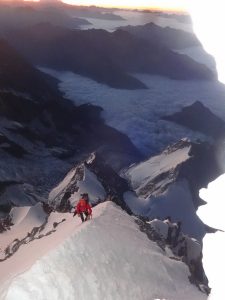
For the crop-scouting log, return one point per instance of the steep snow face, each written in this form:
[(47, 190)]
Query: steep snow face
[(105, 258), (90, 185), (140, 175), (93, 176), (79, 180)]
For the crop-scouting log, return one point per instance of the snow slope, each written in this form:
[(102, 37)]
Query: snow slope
[(106, 258)]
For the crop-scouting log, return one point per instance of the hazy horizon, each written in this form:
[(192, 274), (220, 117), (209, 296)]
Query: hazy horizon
[(158, 5)]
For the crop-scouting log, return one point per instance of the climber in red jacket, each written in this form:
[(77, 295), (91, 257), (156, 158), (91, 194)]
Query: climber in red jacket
[(83, 208)]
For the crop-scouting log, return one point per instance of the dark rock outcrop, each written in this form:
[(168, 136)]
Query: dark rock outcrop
[(21, 79), (199, 118), (202, 168)]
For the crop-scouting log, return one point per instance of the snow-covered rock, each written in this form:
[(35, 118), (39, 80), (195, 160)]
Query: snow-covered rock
[(193, 248), (155, 174), (168, 184), (92, 176), (105, 258)]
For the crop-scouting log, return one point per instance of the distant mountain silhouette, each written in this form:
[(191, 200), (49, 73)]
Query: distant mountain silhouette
[(18, 76), (30, 14), (199, 118), (167, 36), (106, 57)]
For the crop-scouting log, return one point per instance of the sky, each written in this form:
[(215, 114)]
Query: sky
[(158, 4)]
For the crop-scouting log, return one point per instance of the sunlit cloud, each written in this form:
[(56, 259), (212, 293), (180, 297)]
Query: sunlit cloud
[(157, 4), (208, 19)]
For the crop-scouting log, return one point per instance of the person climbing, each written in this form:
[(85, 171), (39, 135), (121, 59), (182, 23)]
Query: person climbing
[(167, 221), (83, 208), (177, 229)]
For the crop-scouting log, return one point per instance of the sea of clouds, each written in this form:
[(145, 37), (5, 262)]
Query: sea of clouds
[(138, 113), (136, 18)]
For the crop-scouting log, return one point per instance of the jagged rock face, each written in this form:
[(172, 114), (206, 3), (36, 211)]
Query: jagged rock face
[(114, 185), (94, 177), (194, 162), (185, 249), (199, 118)]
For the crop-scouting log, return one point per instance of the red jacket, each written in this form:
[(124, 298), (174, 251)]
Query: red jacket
[(83, 206)]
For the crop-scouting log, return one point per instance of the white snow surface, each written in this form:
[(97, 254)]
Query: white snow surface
[(90, 185), (62, 185), (105, 258), (139, 175)]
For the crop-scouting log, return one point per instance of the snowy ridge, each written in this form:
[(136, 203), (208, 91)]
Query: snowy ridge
[(102, 259), (32, 236), (76, 182), (92, 176)]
